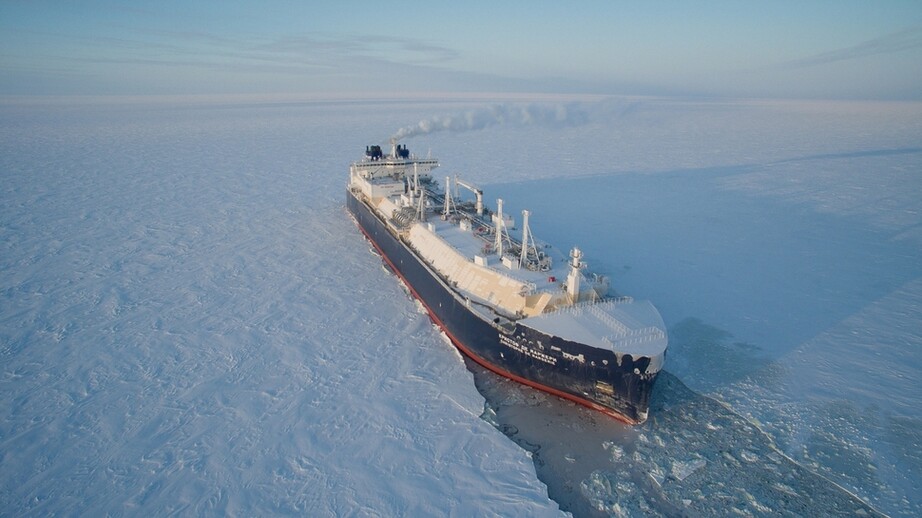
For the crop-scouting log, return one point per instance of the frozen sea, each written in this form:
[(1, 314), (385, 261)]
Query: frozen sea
[(190, 322)]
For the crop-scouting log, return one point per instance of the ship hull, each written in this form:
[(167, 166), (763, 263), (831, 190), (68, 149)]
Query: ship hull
[(617, 385)]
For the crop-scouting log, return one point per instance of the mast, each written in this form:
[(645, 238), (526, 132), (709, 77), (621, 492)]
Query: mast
[(523, 257), (499, 224), (421, 209), (573, 277), (446, 210)]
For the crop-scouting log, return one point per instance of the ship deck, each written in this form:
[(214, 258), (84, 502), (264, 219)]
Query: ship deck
[(464, 255), (618, 324), (471, 244)]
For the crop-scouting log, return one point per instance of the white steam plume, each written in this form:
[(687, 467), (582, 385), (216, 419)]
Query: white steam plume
[(524, 115)]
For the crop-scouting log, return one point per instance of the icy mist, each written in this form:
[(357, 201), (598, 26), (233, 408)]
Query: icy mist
[(191, 323)]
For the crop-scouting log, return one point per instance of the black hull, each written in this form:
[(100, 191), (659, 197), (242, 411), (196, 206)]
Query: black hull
[(519, 353)]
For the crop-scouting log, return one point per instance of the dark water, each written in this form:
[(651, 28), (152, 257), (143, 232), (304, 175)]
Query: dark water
[(693, 457)]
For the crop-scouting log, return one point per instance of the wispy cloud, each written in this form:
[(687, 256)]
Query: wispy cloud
[(895, 42), (289, 53), (411, 50), (379, 48)]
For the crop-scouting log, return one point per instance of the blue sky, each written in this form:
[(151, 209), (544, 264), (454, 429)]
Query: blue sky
[(770, 49)]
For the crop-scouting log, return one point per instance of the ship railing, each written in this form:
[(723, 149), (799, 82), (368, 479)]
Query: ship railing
[(636, 340), (608, 319), (605, 303), (623, 325)]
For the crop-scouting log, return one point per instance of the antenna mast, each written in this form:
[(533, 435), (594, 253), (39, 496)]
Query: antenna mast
[(421, 208), (449, 202), (499, 225), (573, 278), (523, 257)]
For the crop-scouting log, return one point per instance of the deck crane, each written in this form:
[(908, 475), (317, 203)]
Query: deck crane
[(474, 189)]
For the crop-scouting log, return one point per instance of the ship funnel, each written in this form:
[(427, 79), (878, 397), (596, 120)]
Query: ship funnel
[(398, 151)]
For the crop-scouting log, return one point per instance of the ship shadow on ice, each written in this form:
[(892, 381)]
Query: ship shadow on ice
[(744, 269), (741, 276), (693, 457)]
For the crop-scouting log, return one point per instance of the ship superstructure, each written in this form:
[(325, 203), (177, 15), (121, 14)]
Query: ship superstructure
[(512, 303)]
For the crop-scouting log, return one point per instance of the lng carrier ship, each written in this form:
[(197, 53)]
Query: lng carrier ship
[(511, 303)]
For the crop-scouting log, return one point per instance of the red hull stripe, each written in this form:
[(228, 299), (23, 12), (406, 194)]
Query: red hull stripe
[(487, 365)]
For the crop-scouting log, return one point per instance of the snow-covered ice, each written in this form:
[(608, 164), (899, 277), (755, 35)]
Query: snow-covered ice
[(190, 322)]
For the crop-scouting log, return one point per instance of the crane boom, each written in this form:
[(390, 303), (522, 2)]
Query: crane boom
[(474, 189)]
